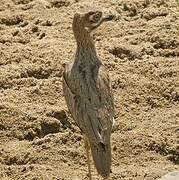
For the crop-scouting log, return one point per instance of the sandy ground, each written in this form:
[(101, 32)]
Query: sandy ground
[(140, 47)]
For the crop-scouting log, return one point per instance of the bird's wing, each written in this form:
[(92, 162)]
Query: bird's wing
[(95, 117), (106, 111)]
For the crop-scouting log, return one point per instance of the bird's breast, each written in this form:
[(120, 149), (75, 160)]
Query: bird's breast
[(82, 80)]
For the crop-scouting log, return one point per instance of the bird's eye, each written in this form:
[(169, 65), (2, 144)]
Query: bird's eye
[(98, 16), (95, 17)]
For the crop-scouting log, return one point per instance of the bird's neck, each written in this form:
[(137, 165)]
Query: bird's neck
[(86, 50)]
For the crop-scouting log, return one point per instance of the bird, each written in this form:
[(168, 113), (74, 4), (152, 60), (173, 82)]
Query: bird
[(88, 92)]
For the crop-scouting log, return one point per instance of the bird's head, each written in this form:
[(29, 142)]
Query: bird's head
[(90, 20)]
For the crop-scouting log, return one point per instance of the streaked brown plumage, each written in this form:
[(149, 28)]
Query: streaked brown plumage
[(87, 91)]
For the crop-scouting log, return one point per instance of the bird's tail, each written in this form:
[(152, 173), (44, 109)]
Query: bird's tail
[(102, 158)]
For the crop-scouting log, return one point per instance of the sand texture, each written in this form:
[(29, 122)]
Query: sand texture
[(140, 47)]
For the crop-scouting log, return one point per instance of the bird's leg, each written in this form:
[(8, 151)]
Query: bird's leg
[(87, 147)]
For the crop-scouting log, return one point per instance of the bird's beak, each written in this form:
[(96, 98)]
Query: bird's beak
[(108, 17)]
